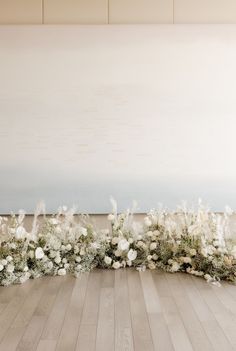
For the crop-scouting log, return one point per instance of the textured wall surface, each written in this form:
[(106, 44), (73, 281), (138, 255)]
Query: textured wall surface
[(116, 11), (137, 112)]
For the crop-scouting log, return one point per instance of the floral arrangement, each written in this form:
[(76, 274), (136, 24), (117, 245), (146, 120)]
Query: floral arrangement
[(197, 242)]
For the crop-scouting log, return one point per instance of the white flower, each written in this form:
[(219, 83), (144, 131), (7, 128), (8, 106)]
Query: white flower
[(153, 246), (68, 247), (193, 252), (31, 254), (207, 277), (57, 259), (64, 260), (61, 271), (50, 265), (108, 260), (20, 233), (123, 245), (116, 265), (53, 221), (204, 252), (53, 254), (110, 217), (118, 253), (66, 265), (78, 259), (175, 267), (58, 229), (132, 254), (186, 259), (147, 222), (1, 267), (9, 258), (3, 262), (149, 257), (150, 233), (10, 268), (26, 268), (39, 253), (151, 265), (83, 231), (115, 240), (82, 252)]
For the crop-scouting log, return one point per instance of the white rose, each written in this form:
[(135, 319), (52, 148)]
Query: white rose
[(66, 265), (118, 253), (110, 217), (61, 271), (78, 259), (64, 260), (3, 262), (39, 253), (147, 222), (155, 257), (1, 267), (132, 254), (9, 258), (83, 231), (149, 257), (123, 245), (10, 268), (57, 259), (53, 254), (153, 246), (108, 260), (186, 259), (63, 247), (116, 265), (131, 240), (20, 233)]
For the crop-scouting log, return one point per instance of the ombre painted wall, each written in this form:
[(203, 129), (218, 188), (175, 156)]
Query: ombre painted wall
[(136, 112)]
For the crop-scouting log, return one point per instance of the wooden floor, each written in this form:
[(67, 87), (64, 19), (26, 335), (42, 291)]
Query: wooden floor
[(125, 310)]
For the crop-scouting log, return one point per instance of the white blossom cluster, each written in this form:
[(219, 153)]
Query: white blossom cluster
[(197, 242)]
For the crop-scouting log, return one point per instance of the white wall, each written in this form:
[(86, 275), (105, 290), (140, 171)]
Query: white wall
[(145, 113)]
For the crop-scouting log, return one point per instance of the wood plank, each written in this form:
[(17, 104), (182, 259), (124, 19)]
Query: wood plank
[(69, 333), (193, 326), (55, 320), (123, 324), (160, 333), (140, 324), (212, 328), (106, 321)]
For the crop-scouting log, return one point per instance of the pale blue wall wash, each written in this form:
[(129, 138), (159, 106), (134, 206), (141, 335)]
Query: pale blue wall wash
[(142, 113)]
